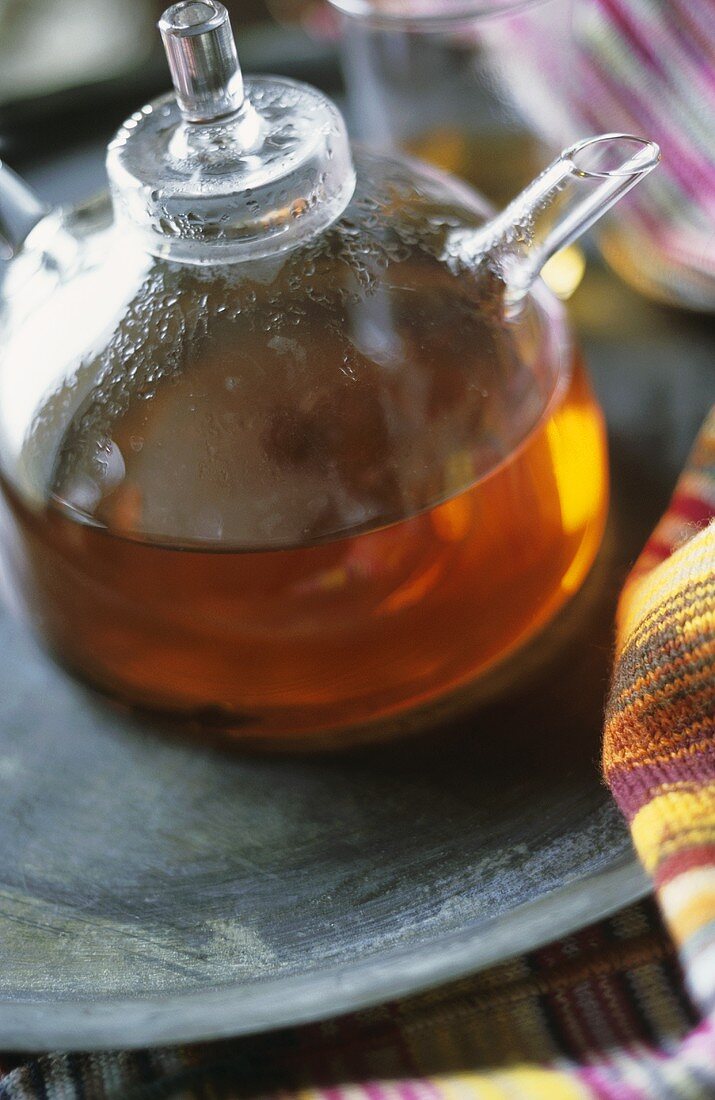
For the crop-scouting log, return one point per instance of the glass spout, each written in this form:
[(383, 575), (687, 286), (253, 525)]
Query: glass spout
[(577, 189), (20, 211)]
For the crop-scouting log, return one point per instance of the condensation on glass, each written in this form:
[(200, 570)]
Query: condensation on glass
[(293, 443)]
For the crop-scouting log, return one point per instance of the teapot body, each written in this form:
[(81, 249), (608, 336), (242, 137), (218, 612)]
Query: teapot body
[(301, 497)]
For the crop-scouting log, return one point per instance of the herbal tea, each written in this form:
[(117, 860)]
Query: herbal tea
[(310, 634)]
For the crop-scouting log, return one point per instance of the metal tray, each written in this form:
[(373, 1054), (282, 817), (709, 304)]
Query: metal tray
[(155, 890)]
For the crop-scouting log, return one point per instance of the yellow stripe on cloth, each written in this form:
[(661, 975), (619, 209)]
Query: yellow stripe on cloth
[(692, 917), (695, 883), (677, 819), (693, 563), (521, 1082), (540, 1084)]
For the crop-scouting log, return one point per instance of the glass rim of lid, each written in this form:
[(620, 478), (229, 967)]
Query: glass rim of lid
[(429, 14), (221, 171)]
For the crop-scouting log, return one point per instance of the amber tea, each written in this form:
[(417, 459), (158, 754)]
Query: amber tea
[(317, 579), (294, 442)]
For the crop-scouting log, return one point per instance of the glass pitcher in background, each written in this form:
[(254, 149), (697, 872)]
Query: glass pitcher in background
[(449, 81)]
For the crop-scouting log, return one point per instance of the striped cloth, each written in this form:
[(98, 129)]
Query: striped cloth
[(648, 65), (603, 1013), (641, 67)]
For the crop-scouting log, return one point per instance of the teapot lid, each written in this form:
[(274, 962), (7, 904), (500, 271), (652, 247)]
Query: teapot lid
[(226, 169)]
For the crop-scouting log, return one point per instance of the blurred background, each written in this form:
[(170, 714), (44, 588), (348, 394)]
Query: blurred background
[(488, 89), (69, 67)]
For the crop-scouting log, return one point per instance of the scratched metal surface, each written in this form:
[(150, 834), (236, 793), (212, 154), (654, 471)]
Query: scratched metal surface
[(153, 890)]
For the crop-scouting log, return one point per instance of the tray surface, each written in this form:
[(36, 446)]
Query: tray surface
[(154, 890)]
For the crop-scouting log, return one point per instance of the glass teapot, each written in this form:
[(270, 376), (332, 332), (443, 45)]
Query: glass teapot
[(293, 441)]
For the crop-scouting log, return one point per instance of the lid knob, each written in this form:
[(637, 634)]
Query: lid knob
[(202, 57), (217, 174)]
